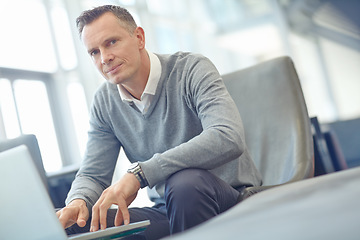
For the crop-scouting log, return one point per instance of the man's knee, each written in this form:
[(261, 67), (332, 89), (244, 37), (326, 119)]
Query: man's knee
[(199, 188), (190, 199), (187, 182), (190, 191)]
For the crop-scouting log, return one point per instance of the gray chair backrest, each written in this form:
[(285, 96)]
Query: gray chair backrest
[(275, 118), (30, 141)]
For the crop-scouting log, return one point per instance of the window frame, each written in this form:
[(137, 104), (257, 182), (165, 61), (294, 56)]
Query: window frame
[(62, 125)]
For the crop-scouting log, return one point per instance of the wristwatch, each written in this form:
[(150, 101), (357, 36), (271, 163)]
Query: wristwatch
[(139, 174)]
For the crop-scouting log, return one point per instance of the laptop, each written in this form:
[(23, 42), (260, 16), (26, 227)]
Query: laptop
[(26, 209)]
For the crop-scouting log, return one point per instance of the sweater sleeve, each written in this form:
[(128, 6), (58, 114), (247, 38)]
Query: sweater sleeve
[(222, 138), (97, 168)]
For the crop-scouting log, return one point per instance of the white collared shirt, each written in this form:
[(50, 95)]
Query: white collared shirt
[(150, 88)]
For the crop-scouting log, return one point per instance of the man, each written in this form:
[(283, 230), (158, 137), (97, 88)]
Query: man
[(176, 122)]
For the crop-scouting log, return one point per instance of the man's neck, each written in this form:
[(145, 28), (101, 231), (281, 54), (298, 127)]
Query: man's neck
[(137, 85)]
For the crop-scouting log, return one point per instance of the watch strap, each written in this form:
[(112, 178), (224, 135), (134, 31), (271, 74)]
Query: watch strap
[(139, 174)]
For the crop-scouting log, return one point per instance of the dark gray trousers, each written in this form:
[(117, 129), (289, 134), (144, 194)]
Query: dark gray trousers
[(192, 196)]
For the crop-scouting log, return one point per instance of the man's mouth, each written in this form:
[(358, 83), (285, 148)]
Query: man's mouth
[(113, 69)]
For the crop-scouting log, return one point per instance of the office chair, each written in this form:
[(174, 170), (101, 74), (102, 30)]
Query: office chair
[(348, 135), (328, 153), (57, 184), (276, 122)]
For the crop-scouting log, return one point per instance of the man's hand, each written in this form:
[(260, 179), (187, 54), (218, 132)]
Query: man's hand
[(121, 194), (75, 212)]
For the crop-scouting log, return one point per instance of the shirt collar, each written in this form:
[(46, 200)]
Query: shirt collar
[(151, 85)]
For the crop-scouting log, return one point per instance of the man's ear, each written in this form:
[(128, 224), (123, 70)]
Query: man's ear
[(140, 35)]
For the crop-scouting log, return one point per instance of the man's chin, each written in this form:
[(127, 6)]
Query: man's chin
[(113, 81)]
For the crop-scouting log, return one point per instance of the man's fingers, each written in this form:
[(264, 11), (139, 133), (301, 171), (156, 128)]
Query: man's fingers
[(65, 217), (118, 218), (83, 216), (99, 214), (95, 219), (122, 215), (124, 211), (94, 226), (103, 214), (122, 194), (75, 212), (61, 218)]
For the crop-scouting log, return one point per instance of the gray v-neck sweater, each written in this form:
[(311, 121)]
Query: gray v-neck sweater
[(192, 122)]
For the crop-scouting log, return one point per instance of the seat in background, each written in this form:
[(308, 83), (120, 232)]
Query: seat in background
[(57, 183), (30, 141), (276, 122)]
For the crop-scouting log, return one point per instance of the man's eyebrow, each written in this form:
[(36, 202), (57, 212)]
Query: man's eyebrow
[(109, 39)]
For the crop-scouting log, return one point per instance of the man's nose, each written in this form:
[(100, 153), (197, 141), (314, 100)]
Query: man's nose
[(106, 57)]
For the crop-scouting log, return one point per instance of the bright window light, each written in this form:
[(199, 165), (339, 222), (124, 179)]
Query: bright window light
[(25, 41), (35, 118), (8, 110), (79, 113), (253, 41), (64, 40)]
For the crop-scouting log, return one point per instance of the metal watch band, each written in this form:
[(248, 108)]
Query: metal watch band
[(139, 174)]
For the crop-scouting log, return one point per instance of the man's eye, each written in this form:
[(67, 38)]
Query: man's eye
[(93, 53)]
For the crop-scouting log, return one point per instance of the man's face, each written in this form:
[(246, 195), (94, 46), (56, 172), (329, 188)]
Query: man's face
[(115, 52)]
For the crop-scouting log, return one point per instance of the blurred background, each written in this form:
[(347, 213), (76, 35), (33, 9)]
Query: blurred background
[(47, 79)]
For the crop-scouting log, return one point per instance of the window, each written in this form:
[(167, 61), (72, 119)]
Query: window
[(8, 109), (63, 37), (36, 118), (25, 110), (79, 113), (28, 44), (39, 89)]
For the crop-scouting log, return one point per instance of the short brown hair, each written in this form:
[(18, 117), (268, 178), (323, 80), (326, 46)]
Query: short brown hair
[(122, 14)]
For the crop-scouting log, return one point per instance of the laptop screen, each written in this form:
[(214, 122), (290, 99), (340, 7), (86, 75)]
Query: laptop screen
[(26, 209)]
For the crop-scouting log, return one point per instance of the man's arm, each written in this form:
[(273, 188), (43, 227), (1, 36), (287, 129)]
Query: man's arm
[(97, 168), (94, 177), (222, 136)]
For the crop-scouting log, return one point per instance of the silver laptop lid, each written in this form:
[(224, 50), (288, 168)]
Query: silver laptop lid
[(26, 210)]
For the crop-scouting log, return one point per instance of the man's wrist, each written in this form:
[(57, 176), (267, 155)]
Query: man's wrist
[(77, 201), (139, 174)]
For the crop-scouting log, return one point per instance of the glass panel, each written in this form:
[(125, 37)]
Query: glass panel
[(8, 110), (35, 118), (172, 9), (28, 43), (344, 77), (63, 36), (168, 41), (126, 2), (79, 113)]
